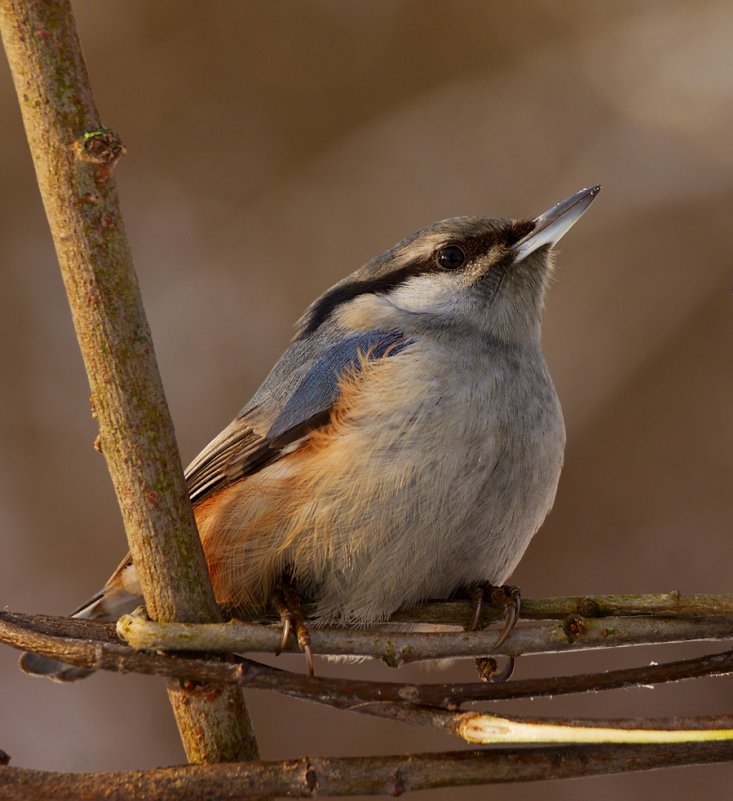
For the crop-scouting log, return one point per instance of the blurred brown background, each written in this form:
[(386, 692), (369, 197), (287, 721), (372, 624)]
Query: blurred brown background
[(274, 147)]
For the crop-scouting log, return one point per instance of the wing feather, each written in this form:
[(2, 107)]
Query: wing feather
[(284, 414), (246, 445)]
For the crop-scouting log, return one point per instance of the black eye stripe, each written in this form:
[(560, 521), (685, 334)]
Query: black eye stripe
[(389, 276), (346, 292)]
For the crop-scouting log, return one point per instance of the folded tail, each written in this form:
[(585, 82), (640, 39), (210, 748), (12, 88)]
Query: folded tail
[(37, 665), (117, 598)]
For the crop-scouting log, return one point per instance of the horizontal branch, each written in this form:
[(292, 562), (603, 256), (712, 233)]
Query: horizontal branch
[(668, 604), (404, 703), (488, 729), (575, 611), (100, 650), (400, 647), (14, 623), (382, 775), (457, 612)]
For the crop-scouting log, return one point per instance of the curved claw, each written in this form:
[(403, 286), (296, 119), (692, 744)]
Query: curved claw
[(511, 602), (284, 635), (287, 603), (309, 660), (505, 674), (304, 641), (477, 600), (286, 618), (509, 599)]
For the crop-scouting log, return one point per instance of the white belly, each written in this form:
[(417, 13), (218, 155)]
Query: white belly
[(433, 484)]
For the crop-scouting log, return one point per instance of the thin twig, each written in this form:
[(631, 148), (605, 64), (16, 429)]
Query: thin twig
[(484, 728), (100, 650), (381, 775), (399, 703), (668, 604)]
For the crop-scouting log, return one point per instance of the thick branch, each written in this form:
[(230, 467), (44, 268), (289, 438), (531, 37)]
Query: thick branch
[(59, 638), (401, 647), (383, 775), (404, 703), (74, 157)]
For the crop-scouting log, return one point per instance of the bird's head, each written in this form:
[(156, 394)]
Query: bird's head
[(470, 275)]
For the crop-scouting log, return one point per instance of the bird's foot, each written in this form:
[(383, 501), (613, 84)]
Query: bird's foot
[(488, 669), (508, 599), (286, 601)]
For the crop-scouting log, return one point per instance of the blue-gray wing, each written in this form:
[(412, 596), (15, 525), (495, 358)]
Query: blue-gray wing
[(295, 398)]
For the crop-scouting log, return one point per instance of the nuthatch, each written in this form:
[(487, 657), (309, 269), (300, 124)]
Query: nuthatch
[(407, 444)]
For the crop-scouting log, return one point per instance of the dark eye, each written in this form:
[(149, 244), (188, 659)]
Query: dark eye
[(451, 257)]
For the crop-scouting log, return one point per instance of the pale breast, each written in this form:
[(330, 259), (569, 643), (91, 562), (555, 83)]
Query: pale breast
[(451, 468)]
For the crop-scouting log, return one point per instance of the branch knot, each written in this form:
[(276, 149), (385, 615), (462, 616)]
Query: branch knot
[(102, 147)]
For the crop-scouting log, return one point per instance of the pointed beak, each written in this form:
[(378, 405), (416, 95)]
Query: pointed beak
[(551, 226)]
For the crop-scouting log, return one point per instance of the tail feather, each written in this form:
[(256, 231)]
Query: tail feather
[(44, 666), (108, 604)]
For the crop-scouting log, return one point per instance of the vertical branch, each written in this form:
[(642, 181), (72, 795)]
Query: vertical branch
[(74, 157)]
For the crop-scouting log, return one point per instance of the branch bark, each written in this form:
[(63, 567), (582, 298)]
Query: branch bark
[(666, 604), (395, 648), (383, 775), (94, 645), (74, 158)]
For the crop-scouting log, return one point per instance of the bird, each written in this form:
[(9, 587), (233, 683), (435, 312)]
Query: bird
[(406, 446)]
